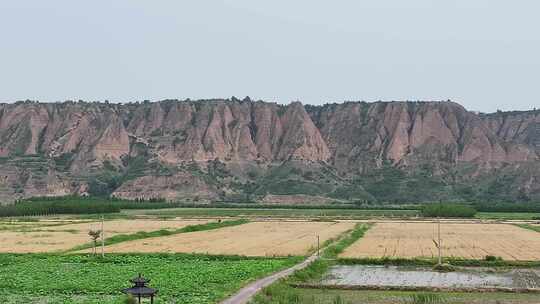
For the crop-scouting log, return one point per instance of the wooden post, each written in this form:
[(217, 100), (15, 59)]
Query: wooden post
[(439, 235), (318, 245), (439, 231), (102, 236)]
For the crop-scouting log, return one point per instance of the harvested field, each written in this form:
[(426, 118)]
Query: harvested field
[(252, 239), (64, 237), (130, 226), (470, 241)]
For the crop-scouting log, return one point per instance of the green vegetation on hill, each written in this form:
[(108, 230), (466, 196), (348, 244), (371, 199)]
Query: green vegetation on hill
[(110, 177), (292, 178), (63, 161), (387, 184), (393, 185), (289, 179), (23, 138)]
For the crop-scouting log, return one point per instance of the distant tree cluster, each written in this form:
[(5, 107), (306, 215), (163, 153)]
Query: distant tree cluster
[(77, 205), (448, 210)]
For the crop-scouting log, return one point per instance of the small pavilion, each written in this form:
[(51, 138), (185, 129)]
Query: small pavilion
[(140, 290)]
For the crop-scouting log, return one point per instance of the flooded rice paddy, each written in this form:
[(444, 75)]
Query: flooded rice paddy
[(417, 277)]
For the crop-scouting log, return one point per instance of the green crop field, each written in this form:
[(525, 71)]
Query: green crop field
[(180, 278)]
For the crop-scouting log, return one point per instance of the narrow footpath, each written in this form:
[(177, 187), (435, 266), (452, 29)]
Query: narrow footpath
[(245, 294)]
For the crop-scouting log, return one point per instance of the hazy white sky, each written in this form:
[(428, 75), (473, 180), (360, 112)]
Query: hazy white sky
[(484, 54)]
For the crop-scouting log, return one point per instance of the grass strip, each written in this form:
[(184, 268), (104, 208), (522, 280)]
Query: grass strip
[(530, 227), (430, 262), (159, 233), (332, 251)]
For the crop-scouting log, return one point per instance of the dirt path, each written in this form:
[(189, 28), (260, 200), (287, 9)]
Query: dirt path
[(245, 294)]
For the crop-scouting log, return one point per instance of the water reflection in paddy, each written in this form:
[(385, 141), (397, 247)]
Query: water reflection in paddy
[(394, 276)]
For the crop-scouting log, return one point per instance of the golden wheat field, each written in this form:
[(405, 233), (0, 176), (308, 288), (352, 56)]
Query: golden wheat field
[(251, 239), (57, 236), (472, 241)]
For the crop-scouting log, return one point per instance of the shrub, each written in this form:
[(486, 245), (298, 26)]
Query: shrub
[(448, 210), (492, 258), (444, 267), (426, 298), (338, 300), (130, 300)]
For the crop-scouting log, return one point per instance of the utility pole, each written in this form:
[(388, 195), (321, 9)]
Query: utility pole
[(439, 231), (102, 236), (439, 235), (318, 245)]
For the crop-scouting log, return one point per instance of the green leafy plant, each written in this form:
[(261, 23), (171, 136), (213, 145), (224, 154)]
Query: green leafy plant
[(130, 300), (179, 278), (492, 258), (425, 298)]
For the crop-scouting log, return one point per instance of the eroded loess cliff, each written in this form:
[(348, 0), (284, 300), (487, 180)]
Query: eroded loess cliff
[(246, 150)]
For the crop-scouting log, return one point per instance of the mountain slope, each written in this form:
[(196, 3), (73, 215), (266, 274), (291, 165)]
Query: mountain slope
[(246, 150)]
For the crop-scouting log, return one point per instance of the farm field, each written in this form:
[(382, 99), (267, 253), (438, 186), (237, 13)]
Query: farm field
[(50, 236), (190, 279), (271, 238), (470, 241)]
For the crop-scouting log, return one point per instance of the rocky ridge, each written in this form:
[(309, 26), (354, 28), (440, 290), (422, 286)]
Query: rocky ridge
[(248, 150)]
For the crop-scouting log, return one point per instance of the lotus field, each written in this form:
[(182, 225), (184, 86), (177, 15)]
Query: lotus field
[(180, 278)]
